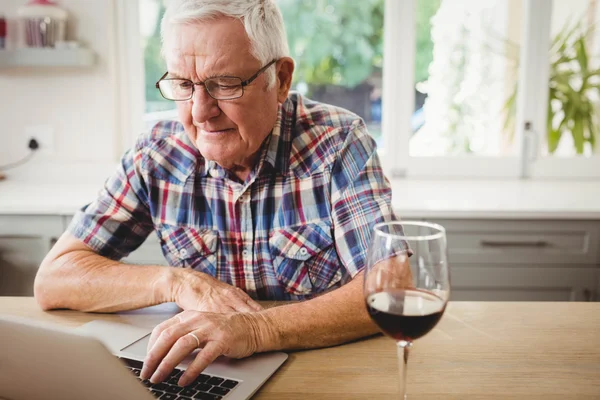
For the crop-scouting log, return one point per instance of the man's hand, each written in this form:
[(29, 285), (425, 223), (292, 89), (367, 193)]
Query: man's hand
[(234, 335), (193, 290)]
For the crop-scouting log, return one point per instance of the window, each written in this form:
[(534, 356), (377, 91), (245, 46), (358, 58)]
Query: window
[(574, 79), (491, 85), (568, 144), (156, 107), (460, 88), (338, 49), (463, 86)]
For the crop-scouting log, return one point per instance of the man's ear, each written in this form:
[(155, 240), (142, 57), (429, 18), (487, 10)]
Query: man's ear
[(284, 71)]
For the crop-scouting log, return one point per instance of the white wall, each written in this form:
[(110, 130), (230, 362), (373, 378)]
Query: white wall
[(80, 104)]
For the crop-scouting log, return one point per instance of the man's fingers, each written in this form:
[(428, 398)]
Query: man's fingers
[(161, 347), (240, 305), (203, 359), (246, 303), (255, 305), (183, 346), (158, 329)]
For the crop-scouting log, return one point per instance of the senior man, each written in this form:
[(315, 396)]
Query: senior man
[(255, 194)]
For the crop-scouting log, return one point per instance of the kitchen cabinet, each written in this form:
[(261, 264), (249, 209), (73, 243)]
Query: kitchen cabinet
[(521, 283), (24, 241), (529, 260), (528, 242)]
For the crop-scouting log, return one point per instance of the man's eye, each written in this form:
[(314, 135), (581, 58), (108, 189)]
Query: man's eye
[(185, 85)]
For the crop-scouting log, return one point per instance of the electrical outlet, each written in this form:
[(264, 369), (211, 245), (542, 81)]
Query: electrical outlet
[(44, 134)]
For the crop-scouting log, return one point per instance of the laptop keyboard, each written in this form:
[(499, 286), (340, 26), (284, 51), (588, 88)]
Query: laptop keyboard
[(205, 387)]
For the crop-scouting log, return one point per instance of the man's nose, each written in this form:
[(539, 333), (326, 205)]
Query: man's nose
[(204, 107)]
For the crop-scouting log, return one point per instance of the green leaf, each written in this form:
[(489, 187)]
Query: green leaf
[(510, 110), (553, 134), (561, 37), (582, 54), (594, 72), (578, 136), (593, 133), (591, 129), (563, 77), (553, 140), (569, 108)]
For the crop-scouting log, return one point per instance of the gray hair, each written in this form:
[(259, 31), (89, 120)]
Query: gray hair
[(261, 18)]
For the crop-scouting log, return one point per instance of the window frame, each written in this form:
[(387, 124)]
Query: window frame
[(128, 69)]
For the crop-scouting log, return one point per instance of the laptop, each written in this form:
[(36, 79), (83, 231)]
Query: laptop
[(102, 360)]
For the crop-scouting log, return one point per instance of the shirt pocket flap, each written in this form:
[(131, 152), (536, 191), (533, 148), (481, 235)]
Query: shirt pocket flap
[(301, 242), (187, 242)]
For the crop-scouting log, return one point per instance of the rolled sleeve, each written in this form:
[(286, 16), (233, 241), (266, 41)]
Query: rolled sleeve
[(119, 220), (361, 197)]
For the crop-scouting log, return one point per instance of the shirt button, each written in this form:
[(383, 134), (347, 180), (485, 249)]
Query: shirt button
[(303, 251), (245, 253), (214, 173), (242, 198), (183, 253)]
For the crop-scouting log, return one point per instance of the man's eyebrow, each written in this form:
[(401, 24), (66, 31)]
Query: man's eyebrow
[(173, 75), (222, 74), (215, 75)]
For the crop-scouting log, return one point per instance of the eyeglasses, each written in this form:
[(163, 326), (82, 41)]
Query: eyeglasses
[(219, 88)]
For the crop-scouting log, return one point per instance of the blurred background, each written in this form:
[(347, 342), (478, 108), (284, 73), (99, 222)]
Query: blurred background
[(503, 93), (460, 58)]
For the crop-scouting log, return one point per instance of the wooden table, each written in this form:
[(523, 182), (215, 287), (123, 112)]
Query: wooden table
[(478, 351)]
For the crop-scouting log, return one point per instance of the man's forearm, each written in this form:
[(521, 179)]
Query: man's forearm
[(82, 280), (334, 318)]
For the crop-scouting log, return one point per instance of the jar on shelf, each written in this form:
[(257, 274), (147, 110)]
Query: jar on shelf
[(2, 31), (43, 23)]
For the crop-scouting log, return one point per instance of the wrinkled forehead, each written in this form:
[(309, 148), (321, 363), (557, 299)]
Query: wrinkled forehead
[(219, 42)]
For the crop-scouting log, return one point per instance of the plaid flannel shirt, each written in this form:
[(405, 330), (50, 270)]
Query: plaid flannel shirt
[(299, 225)]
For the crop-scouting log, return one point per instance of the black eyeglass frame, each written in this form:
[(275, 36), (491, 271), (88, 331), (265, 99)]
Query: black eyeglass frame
[(243, 84)]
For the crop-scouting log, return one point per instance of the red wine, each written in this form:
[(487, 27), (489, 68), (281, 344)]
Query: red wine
[(405, 314)]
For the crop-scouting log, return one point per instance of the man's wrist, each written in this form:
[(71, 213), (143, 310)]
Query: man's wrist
[(167, 285), (265, 331)]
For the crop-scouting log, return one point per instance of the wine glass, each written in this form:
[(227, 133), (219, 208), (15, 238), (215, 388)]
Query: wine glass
[(407, 282)]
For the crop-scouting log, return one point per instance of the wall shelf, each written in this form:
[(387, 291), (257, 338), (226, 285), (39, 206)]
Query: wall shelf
[(46, 57)]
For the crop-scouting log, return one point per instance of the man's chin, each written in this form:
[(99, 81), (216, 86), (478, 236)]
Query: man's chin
[(224, 160)]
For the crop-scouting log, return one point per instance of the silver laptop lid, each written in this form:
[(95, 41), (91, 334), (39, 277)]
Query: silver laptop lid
[(43, 362)]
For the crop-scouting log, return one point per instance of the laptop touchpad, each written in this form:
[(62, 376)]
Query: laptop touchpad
[(114, 335), (139, 347)]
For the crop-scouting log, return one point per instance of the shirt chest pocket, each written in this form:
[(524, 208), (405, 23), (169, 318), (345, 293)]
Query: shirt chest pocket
[(305, 259), (188, 247)]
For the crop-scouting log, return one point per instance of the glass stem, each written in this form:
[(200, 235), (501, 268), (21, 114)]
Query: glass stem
[(403, 347)]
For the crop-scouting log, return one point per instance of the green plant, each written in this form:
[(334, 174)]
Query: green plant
[(574, 90)]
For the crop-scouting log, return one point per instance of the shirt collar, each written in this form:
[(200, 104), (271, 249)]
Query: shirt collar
[(279, 145)]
